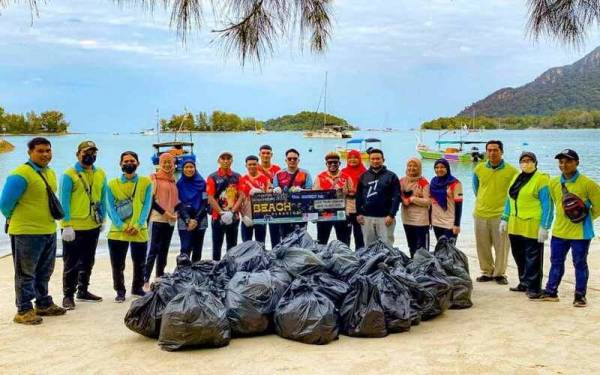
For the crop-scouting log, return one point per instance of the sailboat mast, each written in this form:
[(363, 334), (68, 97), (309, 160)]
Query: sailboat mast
[(325, 104), (157, 126)]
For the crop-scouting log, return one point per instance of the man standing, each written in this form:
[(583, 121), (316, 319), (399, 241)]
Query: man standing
[(222, 188), (251, 183), (378, 200), (269, 169), (577, 204), (491, 181), (291, 179), (83, 197), (333, 178), (25, 202)]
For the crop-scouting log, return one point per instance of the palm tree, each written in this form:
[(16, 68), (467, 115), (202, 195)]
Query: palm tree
[(247, 28), (564, 20)]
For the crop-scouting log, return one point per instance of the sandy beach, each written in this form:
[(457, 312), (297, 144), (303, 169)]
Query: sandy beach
[(502, 333)]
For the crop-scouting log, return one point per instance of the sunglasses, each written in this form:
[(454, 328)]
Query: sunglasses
[(292, 159), (332, 162)]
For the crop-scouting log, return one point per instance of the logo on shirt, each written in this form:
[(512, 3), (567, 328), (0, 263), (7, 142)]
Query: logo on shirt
[(372, 188)]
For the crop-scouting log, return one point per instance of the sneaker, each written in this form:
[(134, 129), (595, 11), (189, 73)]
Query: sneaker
[(502, 280), (484, 278), (88, 297), (518, 288), (547, 297), (139, 293), (68, 303), (579, 301), (28, 317), (534, 295), (120, 298), (52, 310)]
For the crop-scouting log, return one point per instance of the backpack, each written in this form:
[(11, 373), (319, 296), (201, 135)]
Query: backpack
[(573, 206)]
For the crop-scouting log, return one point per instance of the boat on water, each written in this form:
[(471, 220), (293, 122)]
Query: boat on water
[(329, 130), (149, 131), (182, 151), (457, 151), (363, 145)]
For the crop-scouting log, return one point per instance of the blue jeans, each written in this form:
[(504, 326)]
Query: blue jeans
[(258, 230), (559, 249), (33, 257), (192, 242)]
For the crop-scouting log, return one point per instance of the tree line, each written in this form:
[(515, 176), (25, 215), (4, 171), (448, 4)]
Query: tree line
[(565, 119), (32, 123), (223, 121)]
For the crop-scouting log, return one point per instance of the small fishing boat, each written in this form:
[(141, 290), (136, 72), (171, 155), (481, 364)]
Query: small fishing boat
[(182, 151), (363, 145), (456, 151)]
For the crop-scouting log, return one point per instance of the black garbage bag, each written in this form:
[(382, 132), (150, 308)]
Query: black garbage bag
[(304, 314), (396, 300), (195, 317), (249, 256), (183, 260), (145, 313), (249, 302), (333, 288), (339, 260), (454, 261), (281, 280), (421, 300), (380, 247), (362, 314), (298, 261), (298, 238), (204, 267), (428, 272), (461, 293)]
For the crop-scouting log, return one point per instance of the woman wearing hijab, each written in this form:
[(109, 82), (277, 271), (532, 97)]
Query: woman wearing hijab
[(354, 169), (446, 201), (191, 211), (163, 216), (414, 191), (527, 218)]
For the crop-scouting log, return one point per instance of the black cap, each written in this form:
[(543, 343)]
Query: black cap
[(528, 154), (567, 153)]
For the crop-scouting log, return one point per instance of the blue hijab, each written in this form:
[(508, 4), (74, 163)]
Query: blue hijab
[(191, 189), (439, 185)]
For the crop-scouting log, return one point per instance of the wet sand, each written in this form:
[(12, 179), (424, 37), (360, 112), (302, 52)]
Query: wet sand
[(502, 333)]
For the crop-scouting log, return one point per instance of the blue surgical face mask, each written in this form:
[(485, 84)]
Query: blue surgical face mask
[(88, 159)]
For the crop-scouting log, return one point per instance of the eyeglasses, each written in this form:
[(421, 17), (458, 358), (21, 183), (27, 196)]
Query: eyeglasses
[(292, 159)]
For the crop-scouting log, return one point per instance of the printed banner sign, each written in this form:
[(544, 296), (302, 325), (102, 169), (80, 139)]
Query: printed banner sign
[(302, 206)]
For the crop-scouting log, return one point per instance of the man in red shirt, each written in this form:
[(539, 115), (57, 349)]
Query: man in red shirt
[(333, 178), (222, 188), (270, 170), (251, 183)]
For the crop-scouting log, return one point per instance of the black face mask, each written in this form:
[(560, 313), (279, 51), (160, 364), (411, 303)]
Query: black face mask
[(88, 159), (129, 168)]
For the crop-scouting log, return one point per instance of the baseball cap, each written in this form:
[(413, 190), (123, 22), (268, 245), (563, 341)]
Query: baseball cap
[(226, 154), (86, 145), (567, 153)]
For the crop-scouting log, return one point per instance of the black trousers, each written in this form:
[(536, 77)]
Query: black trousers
[(159, 249), (529, 256), (286, 229), (221, 232), (192, 243), (324, 231), (118, 254), (259, 231), (439, 232), (274, 234), (417, 238), (355, 228), (78, 260)]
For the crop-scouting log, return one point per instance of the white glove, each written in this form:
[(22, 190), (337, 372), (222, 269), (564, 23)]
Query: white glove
[(503, 228), (247, 221), (277, 190), (295, 189), (68, 234), (542, 235), (255, 191), (226, 217)]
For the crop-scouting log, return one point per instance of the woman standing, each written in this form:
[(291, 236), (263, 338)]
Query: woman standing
[(528, 217), (192, 211), (354, 169), (446, 201), (163, 216), (414, 191), (129, 201)]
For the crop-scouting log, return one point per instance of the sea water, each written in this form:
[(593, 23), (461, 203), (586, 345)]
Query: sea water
[(398, 146)]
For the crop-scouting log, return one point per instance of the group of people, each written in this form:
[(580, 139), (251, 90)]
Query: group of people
[(511, 206)]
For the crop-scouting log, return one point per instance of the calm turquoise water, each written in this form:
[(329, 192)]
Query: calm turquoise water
[(398, 147)]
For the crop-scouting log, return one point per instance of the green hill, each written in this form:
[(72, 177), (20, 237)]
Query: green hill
[(305, 121), (575, 86)]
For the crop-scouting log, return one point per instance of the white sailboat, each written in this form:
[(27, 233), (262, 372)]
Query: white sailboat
[(328, 130)]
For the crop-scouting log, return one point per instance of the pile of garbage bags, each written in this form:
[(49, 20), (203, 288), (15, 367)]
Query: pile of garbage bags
[(302, 291)]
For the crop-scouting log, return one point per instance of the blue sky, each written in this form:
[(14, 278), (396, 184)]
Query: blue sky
[(109, 68)]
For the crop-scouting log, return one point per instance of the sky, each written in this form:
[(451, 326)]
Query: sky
[(389, 63)]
